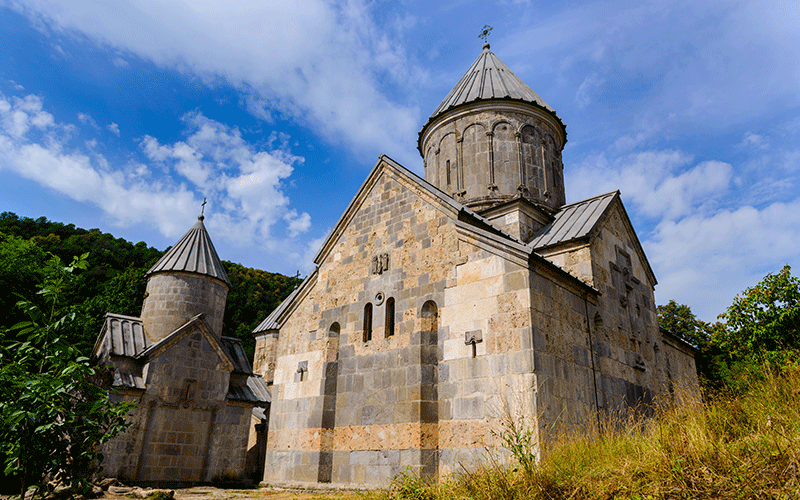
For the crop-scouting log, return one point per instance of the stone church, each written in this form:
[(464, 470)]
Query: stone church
[(194, 390), (439, 305)]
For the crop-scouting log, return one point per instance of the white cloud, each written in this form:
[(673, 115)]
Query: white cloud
[(583, 97), (705, 261), (113, 128), (243, 183), (324, 63), (670, 63), (659, 183), (88, 120), (20, 114), (297, 223)]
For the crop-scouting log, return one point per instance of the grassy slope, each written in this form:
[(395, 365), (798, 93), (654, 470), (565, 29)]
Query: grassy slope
[(733, 446)]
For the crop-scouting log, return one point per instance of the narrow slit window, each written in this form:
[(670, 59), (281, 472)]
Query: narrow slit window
[(390, 316), (368, 322), (448, 172)]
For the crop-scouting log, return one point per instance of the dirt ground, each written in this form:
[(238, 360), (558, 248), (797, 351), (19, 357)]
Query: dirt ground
[(211, 493)]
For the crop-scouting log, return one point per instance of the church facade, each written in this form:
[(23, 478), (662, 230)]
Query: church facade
[(439, 306)]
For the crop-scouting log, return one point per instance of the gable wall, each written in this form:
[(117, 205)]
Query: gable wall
[(627, 341), (184, 429), (633, 363), (362, 416), (418, 399)]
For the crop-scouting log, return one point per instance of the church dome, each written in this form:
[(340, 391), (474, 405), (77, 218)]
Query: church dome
[(193, 253), (494, 139), (188, 280), (489, 78)]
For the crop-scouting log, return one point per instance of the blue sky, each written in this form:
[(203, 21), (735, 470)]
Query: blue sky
[(124, 115)]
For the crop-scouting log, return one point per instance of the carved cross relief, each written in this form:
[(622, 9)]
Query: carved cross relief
[(629, 291), (302, 370), (473, 338), (380, 263)]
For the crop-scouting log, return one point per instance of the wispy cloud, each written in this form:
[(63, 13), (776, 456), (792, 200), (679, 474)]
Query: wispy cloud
[(243, 183), (323, 64)]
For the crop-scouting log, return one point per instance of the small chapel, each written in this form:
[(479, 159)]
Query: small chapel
[(194, 389), (440, 306)]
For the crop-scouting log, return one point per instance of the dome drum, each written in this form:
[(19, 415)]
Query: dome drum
[(488, 152), (173, 298)]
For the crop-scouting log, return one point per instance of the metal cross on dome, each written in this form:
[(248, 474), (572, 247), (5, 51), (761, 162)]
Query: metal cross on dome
[(485, 33), (203, 205)]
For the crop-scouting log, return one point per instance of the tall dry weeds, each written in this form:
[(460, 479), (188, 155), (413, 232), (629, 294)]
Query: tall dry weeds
[(744, 445)]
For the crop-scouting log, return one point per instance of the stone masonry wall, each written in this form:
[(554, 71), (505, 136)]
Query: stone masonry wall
[(565, 391), (185, 430), (264, 357), (121, 454), (174, 298), (632, 362), (366, 416), (485, 373)]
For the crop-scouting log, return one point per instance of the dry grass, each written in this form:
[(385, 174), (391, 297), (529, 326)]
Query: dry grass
[(733, 446)]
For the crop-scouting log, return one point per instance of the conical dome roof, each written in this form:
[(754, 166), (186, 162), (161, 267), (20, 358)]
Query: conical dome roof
[(488, 78), (193, 253)]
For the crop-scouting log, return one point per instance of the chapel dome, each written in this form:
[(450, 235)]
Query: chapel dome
[(188, 280), (193, 253)]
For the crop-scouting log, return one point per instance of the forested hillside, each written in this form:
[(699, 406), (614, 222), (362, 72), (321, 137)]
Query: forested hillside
[(115, 279)]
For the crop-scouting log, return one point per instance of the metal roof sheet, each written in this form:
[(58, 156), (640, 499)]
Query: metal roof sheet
[(193, 253), (489, 78), (256, 391), (235, 350), (574, 221), (123, 378), (125, 335)]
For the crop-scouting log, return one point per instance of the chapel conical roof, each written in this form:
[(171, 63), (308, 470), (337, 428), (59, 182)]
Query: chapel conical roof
[(193, 253), (488, 78)]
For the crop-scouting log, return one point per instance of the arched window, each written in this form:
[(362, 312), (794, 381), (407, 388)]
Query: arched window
[(389, 316), (368, 322), (334, 330), (430, 317)]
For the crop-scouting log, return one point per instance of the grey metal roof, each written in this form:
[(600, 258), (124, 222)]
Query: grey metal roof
[(125, 335), (256, 391), (193, 253), (574, 221), (489, 78), (235, 350), (125, 378)]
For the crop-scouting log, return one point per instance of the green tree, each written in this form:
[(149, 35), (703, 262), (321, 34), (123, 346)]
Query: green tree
[(54, 406), (681, 322), (709, 359), (254, 294), (21, 265), (763, 323)]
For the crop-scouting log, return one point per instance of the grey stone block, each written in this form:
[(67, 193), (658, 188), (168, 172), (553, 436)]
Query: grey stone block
[(468, 408), (580, 356), (443, 372), (521, 362)]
